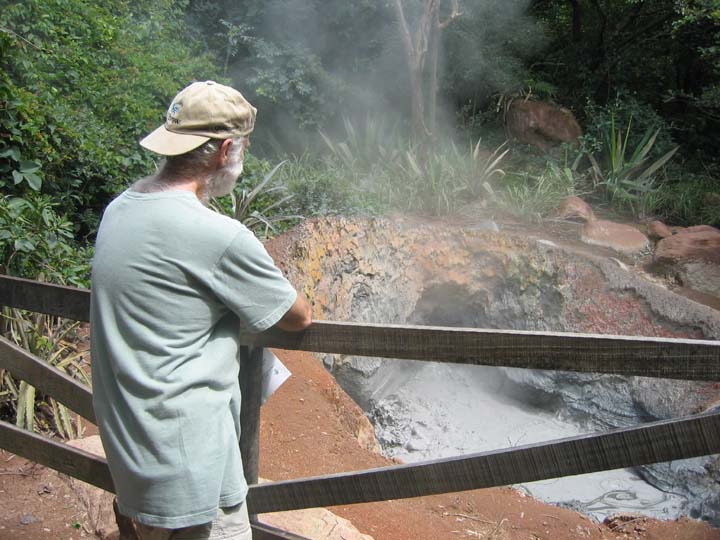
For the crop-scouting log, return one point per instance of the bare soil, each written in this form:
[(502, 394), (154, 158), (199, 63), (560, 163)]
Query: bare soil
[(308, 429)]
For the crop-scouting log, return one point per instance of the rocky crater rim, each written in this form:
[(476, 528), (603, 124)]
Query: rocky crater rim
[(401, 272)]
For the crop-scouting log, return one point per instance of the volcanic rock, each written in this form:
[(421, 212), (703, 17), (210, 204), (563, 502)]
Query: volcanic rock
[(575, 208), (394, 273), (657, 230), (692, 256), (315, 523), (701, 243), (617, 236)]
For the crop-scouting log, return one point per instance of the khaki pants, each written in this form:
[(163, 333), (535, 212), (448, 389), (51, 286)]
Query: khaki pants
[(231, 523)]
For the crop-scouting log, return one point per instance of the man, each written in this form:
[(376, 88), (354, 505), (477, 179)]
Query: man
[(172, 283)]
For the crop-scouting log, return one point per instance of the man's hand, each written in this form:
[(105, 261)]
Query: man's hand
[(298, 317)]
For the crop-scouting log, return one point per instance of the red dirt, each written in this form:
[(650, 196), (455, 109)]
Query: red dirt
[(307, 430)]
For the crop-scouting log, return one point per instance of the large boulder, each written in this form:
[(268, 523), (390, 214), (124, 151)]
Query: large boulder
[(700, 243), (617, 236), (657, 230), (692, 257), (574, 208), (541, 124), (314, 524)]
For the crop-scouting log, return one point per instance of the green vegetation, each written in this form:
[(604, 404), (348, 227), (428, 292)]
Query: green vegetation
[(81, 83), (339, 89), (627, 179), (533, 196)]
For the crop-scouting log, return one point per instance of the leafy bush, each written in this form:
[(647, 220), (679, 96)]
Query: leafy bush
[(625, 111), (82, 83), (324, 187), (37, 242), (383, 171)]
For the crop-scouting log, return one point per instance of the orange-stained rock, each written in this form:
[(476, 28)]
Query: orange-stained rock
[(618, 236), (575, 208), (701, 243), (692, 256), (702, 228), (658, 230)]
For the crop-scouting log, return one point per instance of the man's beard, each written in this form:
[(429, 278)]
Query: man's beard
[(223, 181)]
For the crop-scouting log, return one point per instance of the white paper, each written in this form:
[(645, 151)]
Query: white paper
[(274, 373)]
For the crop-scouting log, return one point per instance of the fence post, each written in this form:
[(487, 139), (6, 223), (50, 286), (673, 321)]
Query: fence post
[(251, 391)]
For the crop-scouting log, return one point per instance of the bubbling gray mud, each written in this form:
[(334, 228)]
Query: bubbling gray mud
[(436, 410), (426, 410)]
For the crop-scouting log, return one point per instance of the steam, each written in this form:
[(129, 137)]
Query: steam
[(350, 60)]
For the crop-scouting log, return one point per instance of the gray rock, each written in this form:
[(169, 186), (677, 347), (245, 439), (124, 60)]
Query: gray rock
[(27, 519)]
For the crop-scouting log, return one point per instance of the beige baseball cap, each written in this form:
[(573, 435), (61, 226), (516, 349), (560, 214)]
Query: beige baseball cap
[(200, 112)]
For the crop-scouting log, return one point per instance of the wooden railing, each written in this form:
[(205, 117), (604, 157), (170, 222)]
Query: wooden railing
[(667, 440)]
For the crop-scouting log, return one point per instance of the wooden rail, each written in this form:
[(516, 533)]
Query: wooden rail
[(48, 379), (650, 443), (590, 353), (69, 302)]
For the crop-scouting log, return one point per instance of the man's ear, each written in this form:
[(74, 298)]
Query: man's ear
[(224, 152)]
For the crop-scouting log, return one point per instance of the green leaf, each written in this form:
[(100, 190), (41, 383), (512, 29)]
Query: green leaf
[(29, 166), (26, 407), (13, 153), (18, 177), (34, 181), (21, 244), (16, 203)]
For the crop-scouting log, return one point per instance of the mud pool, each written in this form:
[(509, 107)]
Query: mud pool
[(398, 273), (436, 410)]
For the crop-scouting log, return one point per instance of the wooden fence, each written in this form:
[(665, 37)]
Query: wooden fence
[(686, 437)]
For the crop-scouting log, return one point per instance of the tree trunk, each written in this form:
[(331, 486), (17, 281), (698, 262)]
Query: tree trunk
[(576, 20), (434, 59), (423, 85)]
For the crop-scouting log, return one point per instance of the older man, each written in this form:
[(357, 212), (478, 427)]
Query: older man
[(172, 283)]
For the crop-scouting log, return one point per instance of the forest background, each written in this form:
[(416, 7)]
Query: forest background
[(364, 107)]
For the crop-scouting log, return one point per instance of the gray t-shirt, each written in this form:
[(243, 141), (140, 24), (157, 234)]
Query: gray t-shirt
[(172, 283)]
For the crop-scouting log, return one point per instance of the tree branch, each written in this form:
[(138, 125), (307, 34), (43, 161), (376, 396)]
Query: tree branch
[(10, 32), (404, 30), (453, 15)]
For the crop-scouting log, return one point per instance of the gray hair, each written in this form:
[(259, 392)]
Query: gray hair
[(196, 162)]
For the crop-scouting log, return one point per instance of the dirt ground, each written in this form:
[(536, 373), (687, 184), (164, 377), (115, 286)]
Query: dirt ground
[(308, 429)]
